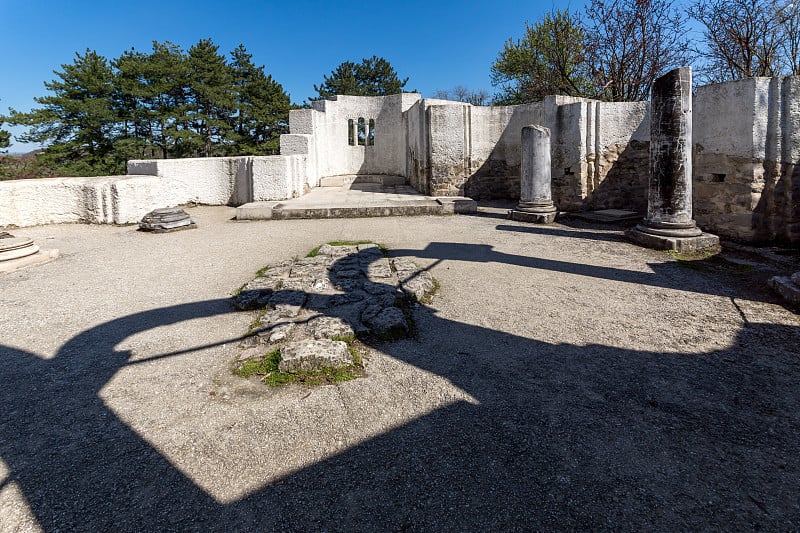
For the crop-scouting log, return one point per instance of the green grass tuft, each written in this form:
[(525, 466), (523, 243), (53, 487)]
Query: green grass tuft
[(259, 367)]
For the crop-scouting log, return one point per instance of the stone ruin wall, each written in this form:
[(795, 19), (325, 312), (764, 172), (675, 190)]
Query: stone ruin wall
[(747, 159), (598, 150)]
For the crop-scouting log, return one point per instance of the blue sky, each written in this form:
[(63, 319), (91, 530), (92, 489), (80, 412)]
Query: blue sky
[(436, 44)]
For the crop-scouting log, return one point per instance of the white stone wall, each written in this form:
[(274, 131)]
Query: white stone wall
[(328, 122), (747, 159), (103, 200)]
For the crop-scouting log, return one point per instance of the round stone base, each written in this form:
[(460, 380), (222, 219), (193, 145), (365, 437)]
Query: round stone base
[(547, 217), (669, 229), (16, 248)]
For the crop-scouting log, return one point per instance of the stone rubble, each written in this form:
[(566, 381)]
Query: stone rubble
[(312, 307)]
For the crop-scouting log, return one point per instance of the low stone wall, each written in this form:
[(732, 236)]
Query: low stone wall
[(228, 180), (105, 200), (151, 184)]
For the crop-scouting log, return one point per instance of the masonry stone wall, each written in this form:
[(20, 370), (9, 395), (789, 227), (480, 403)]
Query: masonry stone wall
[(747, 159), (597, 152), (105, 200)]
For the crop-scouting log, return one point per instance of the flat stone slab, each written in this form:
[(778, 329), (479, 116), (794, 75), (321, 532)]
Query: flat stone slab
[(678, 244), (355, 197), (314, 355), (788, 287), (38, 258), (608, 215)]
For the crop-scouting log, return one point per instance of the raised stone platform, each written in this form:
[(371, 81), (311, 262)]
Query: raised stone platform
[(358, 196), (608, 215), (537, 218)]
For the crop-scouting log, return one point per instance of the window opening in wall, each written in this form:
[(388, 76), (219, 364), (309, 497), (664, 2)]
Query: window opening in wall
[(362, 131), (371, 137), (351, 136)]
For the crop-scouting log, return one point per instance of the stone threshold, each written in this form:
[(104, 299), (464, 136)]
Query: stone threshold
[(291, 209)]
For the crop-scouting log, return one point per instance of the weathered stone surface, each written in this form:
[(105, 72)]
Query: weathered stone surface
[(288, 302), (536, 198), (787, 286), (536, 218), (418, 284), (5, 235), (329, 327), (678, 244), (281, 332), (313, 355), (379, 270), (306, 306), (385, 321), (669, 223), (16, 248), (166, 219), (669, 201), (251, 353)]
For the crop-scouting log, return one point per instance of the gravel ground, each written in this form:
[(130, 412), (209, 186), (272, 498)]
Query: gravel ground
[(560, 379)]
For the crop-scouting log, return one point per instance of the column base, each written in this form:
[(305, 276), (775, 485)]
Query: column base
[(641, 236), (537, 218), (42, 256), (787, 287), (537, 212)]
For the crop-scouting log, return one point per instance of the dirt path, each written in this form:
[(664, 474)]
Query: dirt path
[(560, 379)]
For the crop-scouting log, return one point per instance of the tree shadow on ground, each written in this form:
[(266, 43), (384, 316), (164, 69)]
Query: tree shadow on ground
[(563, 436)]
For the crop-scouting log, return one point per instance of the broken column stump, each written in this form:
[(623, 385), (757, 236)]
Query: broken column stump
[(166, 219), (669, 224), (536, 196)]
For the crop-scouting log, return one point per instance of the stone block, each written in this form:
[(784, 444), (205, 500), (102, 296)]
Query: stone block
[(458, 205), (678, 244), (537, 218), (787, 287), (314, 355)]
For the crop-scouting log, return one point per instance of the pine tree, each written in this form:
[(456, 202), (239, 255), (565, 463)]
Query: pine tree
[(262, 106), (77, 119), (374, 76), (212, 97)]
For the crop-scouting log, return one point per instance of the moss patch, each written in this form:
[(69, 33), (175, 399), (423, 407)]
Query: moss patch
[(266, 368), (709, 260)]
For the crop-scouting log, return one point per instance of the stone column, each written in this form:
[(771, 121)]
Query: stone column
[(669, 224), (536, 197)]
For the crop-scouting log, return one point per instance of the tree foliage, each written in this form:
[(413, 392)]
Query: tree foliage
[(166, 103), (374, 76), (743, 38), (549, 59), (614, 52), (633, 42), (459, 93)]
